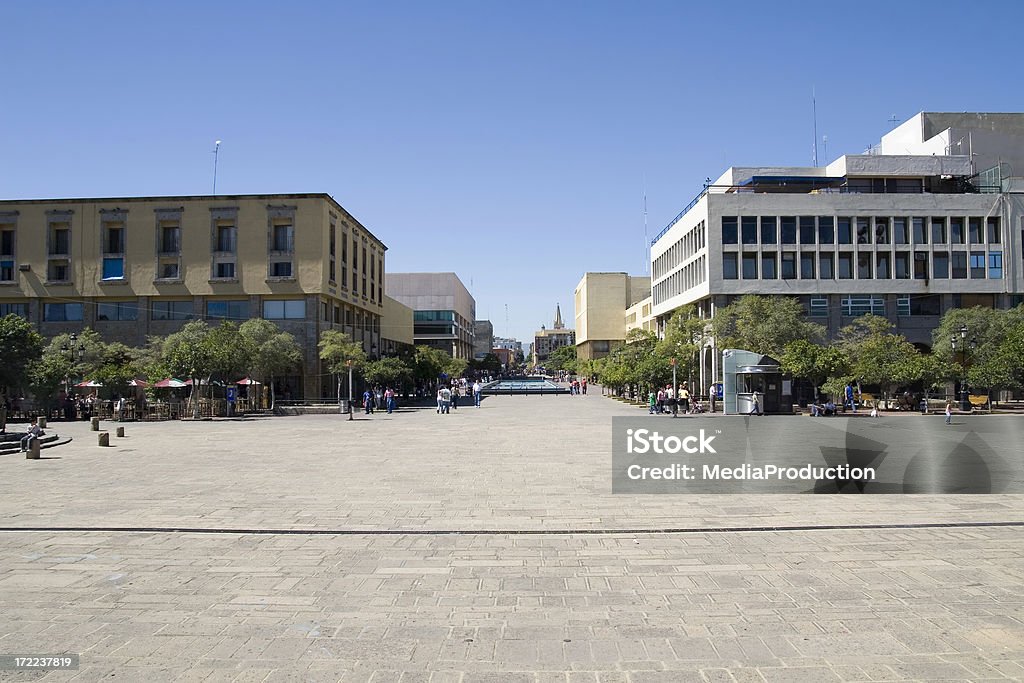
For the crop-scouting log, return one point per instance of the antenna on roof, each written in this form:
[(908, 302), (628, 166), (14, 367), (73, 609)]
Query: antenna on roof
[(824, 144), (647, 244), (893, 120), (814, 113)]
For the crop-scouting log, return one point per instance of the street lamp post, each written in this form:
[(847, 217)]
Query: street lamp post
[(69, 350), (965, 403), (349, 364), (675, 389)]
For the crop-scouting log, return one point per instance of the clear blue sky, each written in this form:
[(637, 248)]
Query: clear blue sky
[(509, 142)]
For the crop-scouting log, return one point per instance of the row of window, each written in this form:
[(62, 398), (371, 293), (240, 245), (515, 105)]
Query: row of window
[(687, 277), (686, 246), (284, 309), (807, 230), (854, 305), (902, 265)]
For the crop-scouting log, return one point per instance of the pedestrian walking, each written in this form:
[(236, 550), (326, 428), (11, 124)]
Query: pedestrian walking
[(755, 400), (368, 402), (949, 412), (583, 385), (712, 395), (439, 400), (455, 397), (684, 399), (477, 390), (446, 400), (661, 402), (389, 400), (652, 401)]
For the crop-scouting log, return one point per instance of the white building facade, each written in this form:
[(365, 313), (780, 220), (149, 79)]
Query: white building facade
[(907, 236)]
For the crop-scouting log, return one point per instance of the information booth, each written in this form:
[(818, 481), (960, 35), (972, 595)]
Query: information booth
[(745, 372)]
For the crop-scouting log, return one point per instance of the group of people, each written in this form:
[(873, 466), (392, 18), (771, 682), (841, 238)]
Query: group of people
[(375, 398), (448, 397), (577, 387), (665, 401)]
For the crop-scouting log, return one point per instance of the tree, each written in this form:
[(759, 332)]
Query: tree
[(388, 372), (815, 363), (455, 367), (763, 324), (20, 347), (428, 365), (877, 356), (685, 334), (562, 358), (187, 353), (341, 355), (983, 353), (272, 352)]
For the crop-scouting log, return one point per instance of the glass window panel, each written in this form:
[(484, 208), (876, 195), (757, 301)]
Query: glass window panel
[(768, 266), (920, 231), (864, 266), (807, 265), (882, 271), (749, 266), (938, 230), (899, 231), (974, 231), (956, 230), (995, 265), (940, 265), (826, 266), (113, 268), (920, 265), (769, 226), (826, 231), (807, 229), (881, 231), (845, 265), (749, 227), (977, 265), (788, 265), (958, 261), (901, 265), (863, 230), (789, 229), (994, 233), (295, 309), (844, 231)]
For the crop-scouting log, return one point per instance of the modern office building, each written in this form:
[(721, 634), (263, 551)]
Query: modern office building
[(132, 267), (604, 311), (927, 221), (483, 338), (547, 340), (444, 312)]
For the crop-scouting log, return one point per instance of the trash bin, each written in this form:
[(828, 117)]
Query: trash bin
[(343, 407)]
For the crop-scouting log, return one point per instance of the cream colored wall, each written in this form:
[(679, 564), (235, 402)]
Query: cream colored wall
[(638, 316), (397, 322), (603, 299)]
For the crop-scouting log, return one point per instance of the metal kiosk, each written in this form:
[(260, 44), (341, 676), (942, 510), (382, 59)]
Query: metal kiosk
[(745, 372)]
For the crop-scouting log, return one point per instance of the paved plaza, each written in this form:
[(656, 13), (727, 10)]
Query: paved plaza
[(484, 545)]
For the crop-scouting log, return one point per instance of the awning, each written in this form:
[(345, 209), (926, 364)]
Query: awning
[(89, 383), (169, 383), (247, 381)]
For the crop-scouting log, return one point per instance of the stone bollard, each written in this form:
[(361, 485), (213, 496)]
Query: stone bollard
[(104, 439), (42, 422), (33, 450), (120, 432), (95, 424)]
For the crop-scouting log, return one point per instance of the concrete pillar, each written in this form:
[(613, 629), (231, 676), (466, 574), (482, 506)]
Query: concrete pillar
[(95, 424), (103, 439), (42, 423), (120, 432), (33, 450)]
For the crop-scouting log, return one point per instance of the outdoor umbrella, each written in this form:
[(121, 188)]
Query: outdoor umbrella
[(247, 381), (89, 383), (169, 383)]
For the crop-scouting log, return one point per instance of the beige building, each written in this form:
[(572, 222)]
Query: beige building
[(444, 312), (605, 311), (396, 327), (132, 267), (638, 317), (547, 340)]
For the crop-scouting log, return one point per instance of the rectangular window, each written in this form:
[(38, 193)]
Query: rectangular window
[(729, 236), (974, 230), (903, 305), (920, 230), (227, 310), (749, 229), (899, 231), (769, 227), (958, 260), (283, 239), (788, 265), (113, 251), (925, 304), (227, 238), (882, 269), (117, 310), (862, 305), (844, 231), (730, 269), (938, 230), (881, 230), (289, 309), (114, 239), (995, 265), (225, 270), (863, 230), (281, 269), (920, 265), (807, 265), (789, 229), (819, 307), (170, 239), (60, 240), (58, 271), (113, 268), (977, 265), (901, 263), (845, 265), (172, 310), (58, 313), (994, 233), (6, 270), (768, 266), (749, 266), (826, 266), (14, 309), (7, 242), (806, 229), (864, 266), (956, 230), (826, 230), (940, 265)]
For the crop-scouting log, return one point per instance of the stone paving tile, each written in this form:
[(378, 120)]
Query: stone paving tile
[(894, 604)]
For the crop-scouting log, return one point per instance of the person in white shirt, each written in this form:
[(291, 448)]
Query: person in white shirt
[(477, 388)]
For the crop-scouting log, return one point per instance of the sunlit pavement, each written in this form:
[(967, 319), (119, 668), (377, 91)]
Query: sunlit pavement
[(484, 545)]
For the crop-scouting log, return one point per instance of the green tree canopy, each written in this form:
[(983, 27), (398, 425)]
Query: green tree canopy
[(815, 363), (20, 347), (337, 349), (388, 372), (763, 324), (877, 356), (984, 351), (562, 358), (429, 364)]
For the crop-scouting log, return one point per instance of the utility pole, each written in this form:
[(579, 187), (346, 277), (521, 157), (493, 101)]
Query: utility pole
[(216, 154)]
